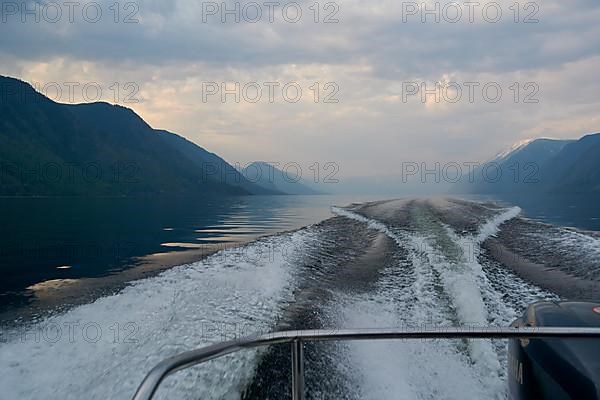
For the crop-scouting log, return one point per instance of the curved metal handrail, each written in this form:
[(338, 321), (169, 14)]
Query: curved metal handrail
[(153, 379)]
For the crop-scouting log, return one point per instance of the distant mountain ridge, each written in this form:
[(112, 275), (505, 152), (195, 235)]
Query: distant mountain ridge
[(541, 166), (271, 178), (54, 149), (577, 166)]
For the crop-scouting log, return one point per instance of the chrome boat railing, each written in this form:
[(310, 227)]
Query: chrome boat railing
[(150, 384)]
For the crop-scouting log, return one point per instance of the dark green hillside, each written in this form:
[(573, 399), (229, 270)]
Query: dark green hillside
[(97, 149)]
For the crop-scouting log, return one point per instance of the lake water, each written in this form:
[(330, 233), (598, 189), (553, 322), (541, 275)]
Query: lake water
[(577, 211), (57, 240), (53, 242)]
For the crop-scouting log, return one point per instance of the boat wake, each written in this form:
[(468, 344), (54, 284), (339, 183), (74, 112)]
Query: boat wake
[(103, 349), (405, 263), (449, 288)]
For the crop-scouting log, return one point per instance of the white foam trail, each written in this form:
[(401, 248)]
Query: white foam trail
[(418, 305), (491, 227), (572, 239), (371, 223), (459, 279), (472, 297), (499, 311), (414, 369), (476, 300), (470, 246), (231, 293), (585, 246)]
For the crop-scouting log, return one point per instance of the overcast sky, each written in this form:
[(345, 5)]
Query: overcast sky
[(173, 56)]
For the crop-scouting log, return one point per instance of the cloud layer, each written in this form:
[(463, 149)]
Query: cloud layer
[(167, 55)]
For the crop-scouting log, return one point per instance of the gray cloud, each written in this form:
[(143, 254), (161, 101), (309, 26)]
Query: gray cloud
[(369, 54)]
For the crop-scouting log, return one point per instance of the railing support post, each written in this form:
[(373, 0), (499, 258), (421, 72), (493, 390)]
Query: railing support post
[(297, 370)]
